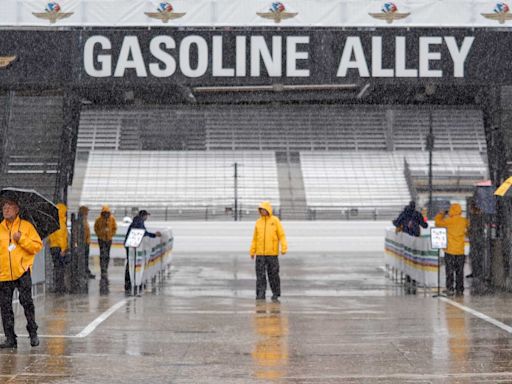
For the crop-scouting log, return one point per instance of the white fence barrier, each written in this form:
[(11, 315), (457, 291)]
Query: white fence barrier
[(413, 257), (153, 255)]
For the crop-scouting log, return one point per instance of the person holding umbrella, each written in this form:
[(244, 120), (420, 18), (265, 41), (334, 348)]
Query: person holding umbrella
[(19, 243)]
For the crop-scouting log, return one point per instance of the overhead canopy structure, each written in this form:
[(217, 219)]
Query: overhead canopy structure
[(296, 13)]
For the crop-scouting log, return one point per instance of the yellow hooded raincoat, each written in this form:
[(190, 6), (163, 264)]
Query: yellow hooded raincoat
[(268, 234), (105, 229), (59, 238), (456, 226), (16, 258)]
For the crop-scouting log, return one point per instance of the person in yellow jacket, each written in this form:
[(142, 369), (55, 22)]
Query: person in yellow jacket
[(58, 241), (456, 227), (105, 228), (19, 243), (267, 238), (83, 212)]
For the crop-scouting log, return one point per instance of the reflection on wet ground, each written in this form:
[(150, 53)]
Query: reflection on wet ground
[(340, 321)]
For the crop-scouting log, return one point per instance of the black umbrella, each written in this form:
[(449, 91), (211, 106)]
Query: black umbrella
[(37, 209)]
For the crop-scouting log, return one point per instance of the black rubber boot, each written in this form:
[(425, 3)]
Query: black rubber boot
[(9, 343)]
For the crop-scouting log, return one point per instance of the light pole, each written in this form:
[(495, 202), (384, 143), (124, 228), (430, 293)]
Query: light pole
[(236, 192), (430, 147)]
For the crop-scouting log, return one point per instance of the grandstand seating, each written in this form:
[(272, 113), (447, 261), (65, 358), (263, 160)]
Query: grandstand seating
[(185, 179), (290, 128), (143, 129), (31, 151), (353, 180), (350, 157), (454, 129), (448, 164)]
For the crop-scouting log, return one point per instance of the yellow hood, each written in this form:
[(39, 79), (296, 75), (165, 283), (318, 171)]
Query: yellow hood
[(455, 210), (63, 210), (105, 208), (266, 206), (59, 238)]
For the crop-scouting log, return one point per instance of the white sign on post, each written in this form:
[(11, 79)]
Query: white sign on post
[(438, 238), (134, 238)]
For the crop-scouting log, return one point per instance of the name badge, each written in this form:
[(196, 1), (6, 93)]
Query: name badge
[(12, 247)]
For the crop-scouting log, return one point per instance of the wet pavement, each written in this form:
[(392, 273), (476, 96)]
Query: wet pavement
[(340, 320)]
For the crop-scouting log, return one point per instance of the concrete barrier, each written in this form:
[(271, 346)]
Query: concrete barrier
[(412, 256), (153, 255)]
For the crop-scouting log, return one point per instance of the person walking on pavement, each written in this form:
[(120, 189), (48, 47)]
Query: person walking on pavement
[(19, 243), (267, 238), (58, 248), (105, 228), (456, 227), (137, 223), (410, 220), (83, 212)]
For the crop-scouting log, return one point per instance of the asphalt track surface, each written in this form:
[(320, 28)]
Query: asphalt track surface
[(340, 320)]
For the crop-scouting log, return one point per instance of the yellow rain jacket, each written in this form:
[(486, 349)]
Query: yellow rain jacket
[(59, 238), (105, 229), (456, 226), (268, 234), (87, 233), (20, 258), (84, 211)]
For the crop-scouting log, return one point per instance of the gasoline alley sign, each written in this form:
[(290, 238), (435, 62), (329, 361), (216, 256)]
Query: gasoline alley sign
[(256, 56), (335, 55)]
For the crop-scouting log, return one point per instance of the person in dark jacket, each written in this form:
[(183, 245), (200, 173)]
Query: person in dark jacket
[(410, 220), (137, 223)]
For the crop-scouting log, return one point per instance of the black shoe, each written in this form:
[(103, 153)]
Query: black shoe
[(459, 293), (470, 276), (260, 298), (9, 344), (92, 276), (34, 340), (275, 299)]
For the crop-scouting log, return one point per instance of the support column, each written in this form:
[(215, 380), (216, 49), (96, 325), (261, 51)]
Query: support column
[(71, 112), (497, 116)]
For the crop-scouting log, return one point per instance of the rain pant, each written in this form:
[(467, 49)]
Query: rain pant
[(16, 258), (268, 234)]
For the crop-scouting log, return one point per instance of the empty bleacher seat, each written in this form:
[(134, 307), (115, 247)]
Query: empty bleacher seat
[(354, 179), (179, 179)]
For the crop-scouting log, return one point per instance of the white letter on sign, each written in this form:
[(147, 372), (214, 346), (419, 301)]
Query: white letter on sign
[(353, 45), (377, 70), (156, 50), (202, 56), (218, 69), (105, 60), (272, 62), (292, 56), (131, 48), (401, 60), (459, 56), (426, 56)]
